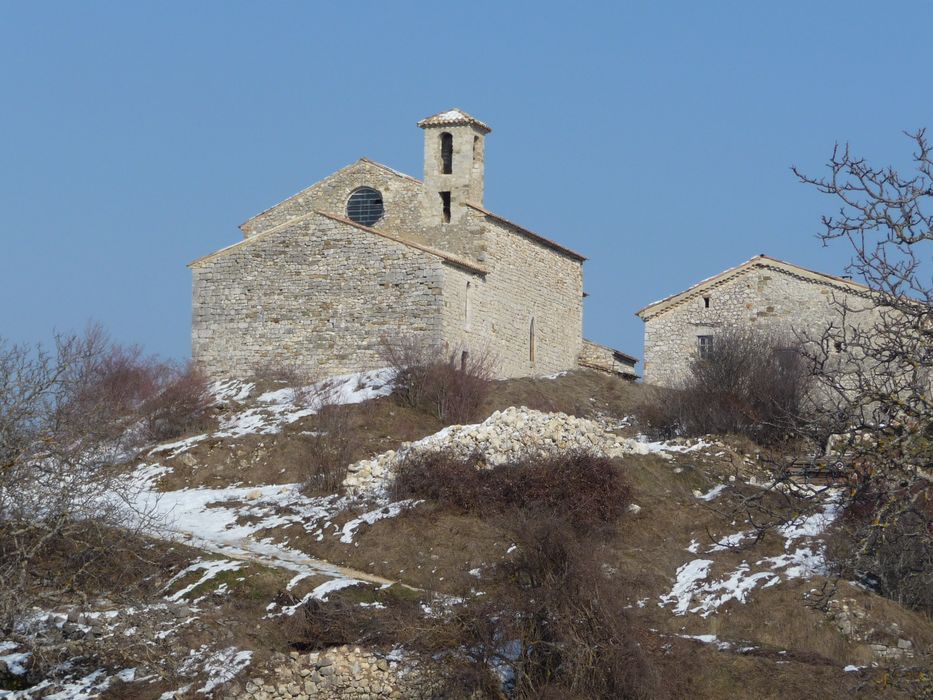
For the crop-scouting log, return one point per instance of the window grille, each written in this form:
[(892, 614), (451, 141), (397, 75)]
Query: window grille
[(705, 346), (365, 206)]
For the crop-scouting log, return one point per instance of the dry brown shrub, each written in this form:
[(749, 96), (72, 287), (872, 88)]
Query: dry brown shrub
[(552, 623), (753, 383), (327, 450), (451, 384), (181, 404), (587, 490)]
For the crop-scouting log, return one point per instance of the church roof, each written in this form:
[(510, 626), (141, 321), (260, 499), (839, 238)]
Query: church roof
[(454, 117), (765, 261), (547, 242)]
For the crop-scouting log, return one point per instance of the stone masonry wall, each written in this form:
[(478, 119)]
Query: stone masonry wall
[(403, 198), (526, 281), (761, 295), (340, 672), (599, 357), (314, 294)]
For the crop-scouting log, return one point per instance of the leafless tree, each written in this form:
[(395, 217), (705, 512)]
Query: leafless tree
[(874, 367), (67, 509)]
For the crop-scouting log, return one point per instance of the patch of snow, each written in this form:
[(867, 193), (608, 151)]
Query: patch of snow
[(284, 406), (389, 511), (15, 660), (711, 494), (321, 592), (851, 669), (812, 525), (684, 587), (705, 638), (298, 577), (176, 448), (222, 666), (730, 541), (231, 390), (210, 568), (671, 446)]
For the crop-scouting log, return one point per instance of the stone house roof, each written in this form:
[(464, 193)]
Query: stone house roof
[(761, 261), (446, 257), (454, 117)]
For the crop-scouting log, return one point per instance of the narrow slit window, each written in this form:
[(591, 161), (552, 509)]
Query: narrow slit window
[(531, 342), (445, 201), (464, 360), (447, 153), (475, 147), (467, 308), (705, 302)]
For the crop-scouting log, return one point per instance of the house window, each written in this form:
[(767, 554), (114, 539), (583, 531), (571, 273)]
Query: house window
[(464, 360), (447, 153), (705, 346), (531, 342), (445, 201), (705, 302), (365, 206), (475, 147), (839, 346)]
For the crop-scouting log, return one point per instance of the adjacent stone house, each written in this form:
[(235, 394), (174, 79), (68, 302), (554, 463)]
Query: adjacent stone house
[(763, 291), (370, 253)]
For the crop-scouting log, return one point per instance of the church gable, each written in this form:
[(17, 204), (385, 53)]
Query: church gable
[(369, 192)]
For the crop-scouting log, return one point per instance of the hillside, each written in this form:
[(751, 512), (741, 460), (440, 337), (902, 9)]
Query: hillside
[(256, 589)]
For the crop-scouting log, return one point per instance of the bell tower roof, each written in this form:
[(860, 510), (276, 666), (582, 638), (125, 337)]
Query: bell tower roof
[(454, 117)]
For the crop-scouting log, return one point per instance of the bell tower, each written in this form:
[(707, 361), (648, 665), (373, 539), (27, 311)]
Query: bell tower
[(454, 149)]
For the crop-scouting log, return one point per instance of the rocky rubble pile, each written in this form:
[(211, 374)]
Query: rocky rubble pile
[(344, 672), (517, 433)]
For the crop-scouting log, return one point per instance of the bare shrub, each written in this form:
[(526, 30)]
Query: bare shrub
[(450, 384), (752, 383), (122, 388), (586, 490), (552, 619), (181, 404), (327, 451), (575, 637), (59, 483)]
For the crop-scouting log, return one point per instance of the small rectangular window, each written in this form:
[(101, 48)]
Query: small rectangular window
[(705, 346), (445, 200), (705, 302)]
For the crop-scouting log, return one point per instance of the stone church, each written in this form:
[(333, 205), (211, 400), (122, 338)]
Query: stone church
[(368, 253)]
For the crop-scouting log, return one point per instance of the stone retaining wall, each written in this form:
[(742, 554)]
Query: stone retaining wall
[(341, 672)]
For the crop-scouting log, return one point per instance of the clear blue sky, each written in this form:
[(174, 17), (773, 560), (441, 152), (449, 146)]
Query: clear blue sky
[(654, 137)]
